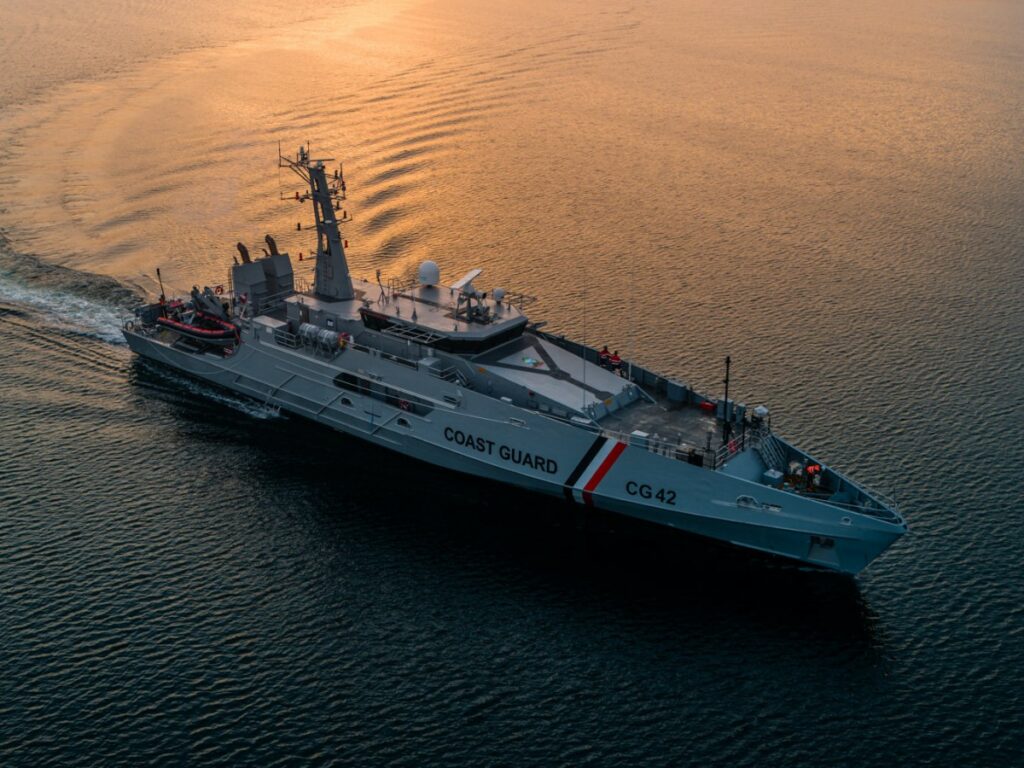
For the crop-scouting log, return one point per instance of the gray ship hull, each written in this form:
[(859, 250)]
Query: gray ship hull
[(530, 450), (459, 378)]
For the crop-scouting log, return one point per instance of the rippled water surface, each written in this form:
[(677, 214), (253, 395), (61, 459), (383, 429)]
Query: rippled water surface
[(831, 193)]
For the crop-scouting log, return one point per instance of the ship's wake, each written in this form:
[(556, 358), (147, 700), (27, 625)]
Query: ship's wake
[(77, 302), (55, 306), (169, 384)]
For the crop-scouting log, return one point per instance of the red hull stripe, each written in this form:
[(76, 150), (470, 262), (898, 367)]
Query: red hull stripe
[(577, 473), (602, 470)]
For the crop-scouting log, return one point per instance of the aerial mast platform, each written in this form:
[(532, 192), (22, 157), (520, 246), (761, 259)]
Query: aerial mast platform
[(332, 281)]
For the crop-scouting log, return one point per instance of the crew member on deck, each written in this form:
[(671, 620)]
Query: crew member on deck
[(603, 358), (615, 362)]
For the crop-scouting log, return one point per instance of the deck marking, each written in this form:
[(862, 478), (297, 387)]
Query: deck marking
[(584, 463)]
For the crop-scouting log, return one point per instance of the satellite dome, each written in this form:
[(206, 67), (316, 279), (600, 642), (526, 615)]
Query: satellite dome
[(430, 274), (499, 294)]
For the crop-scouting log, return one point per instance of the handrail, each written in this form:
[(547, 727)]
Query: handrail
[(273, 300), (875, 504), (402, 285), (678, 450), (729, 449), (521, 300), (878, 505), (450, 374), (286, 339)]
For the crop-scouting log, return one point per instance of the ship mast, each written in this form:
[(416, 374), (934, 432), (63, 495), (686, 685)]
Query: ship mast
[(332, 281)]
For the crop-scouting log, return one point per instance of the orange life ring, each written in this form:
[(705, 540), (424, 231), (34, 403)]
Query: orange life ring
[(219, 290)]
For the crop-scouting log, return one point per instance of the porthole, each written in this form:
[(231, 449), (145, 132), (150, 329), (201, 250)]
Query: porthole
[(346, 401), (403, 422)]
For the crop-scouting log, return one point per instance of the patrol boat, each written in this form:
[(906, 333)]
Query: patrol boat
[(462, 379)]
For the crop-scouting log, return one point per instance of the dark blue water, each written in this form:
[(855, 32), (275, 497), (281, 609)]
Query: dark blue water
[(189, 579), (833, 196)]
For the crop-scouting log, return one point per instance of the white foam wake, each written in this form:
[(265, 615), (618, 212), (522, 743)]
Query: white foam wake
[(67, 311), (95, 318), (251, 408)]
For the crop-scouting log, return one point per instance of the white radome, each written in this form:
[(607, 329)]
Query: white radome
[(430, 273)]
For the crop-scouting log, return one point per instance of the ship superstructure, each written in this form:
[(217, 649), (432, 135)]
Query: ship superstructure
[(461, 378)]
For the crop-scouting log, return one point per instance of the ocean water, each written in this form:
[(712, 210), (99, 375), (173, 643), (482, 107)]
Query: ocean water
[(832, 194)]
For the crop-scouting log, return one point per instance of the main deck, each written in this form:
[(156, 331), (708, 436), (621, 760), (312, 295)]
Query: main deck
[(668, 422)]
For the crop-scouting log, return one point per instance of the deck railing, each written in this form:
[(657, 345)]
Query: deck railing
[(268, 303), (760, 439), (733, 446), (873, 504), (286, 339), (451, 374), (678, 450), (397, 286)]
